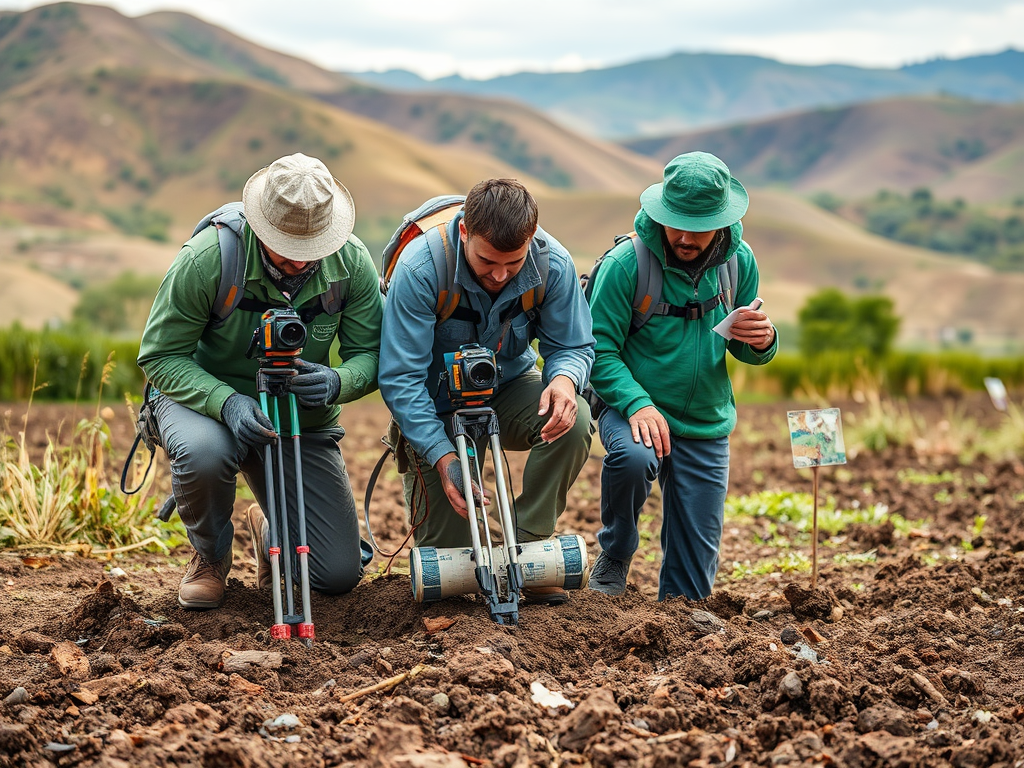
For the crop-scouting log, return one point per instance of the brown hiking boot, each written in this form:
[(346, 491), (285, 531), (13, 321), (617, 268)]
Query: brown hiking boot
[(204, 582), (548, 595), (259, 531)]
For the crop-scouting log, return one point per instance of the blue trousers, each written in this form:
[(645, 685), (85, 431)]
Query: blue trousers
[(205, 460), (694, 480)]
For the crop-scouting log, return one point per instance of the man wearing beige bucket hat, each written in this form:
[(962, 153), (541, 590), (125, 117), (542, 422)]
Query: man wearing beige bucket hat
[(296, 245), (670, 406)]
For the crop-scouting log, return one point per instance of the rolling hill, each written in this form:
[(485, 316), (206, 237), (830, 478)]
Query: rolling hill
[(111, 128), (958, 148), (511, 132), (686, 91)]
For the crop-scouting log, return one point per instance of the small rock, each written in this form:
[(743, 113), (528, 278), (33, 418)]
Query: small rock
[(18, 696), (441, 701), (641, 724), (293, 739), (118, 573), (789, 636), (982, 716), (762, 615), (286, 721), (791, 686), (53, 746), (705, 622), (932, 725)]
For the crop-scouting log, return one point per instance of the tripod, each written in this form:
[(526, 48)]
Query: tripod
[(271, 384), (502, 594)]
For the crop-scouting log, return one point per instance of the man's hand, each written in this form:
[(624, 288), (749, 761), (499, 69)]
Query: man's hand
[(650, 426), (754, 328), (247, 422), (558, 397), (450, 469), (315, 384)]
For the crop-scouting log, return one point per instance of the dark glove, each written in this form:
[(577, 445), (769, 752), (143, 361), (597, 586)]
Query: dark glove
[(247, 422), (315, 384)]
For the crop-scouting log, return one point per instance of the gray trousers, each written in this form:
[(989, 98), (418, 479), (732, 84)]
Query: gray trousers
[(205, 460)]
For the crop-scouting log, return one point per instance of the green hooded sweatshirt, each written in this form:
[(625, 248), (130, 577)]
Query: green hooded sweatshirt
[(200, 367), (674, 364)]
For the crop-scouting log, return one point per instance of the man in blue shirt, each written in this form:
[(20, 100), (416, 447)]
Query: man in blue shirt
[(498, 246)]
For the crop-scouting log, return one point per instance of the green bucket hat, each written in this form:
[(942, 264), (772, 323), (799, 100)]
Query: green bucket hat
[(698, 195)]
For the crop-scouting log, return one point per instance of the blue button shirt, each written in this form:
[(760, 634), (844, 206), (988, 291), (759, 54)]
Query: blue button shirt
[(413, 343)]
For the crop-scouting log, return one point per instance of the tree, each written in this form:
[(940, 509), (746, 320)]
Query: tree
[(830, 321)]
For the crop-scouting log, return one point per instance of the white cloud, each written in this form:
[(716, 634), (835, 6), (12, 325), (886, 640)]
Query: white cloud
[(482, 39)]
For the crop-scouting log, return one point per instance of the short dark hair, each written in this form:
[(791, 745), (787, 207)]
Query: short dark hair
[(502, 212)]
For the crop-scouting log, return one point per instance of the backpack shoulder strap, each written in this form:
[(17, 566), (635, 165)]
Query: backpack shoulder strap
[(229, 220), (334, 299), (443, 255), (533, 298), (728, 276), (649, 282)]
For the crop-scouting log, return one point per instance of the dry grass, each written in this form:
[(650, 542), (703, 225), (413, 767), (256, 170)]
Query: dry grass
[(69, 498)]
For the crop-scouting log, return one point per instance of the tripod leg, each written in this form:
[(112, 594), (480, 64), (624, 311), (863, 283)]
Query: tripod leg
[(508, 528), (306, 631), (483, 565), (279, 629), (289, 585)]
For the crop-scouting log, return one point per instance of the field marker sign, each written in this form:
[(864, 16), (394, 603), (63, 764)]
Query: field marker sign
[(816, 437)]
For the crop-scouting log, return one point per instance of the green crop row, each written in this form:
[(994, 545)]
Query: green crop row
[(899, 374), (65, 366)]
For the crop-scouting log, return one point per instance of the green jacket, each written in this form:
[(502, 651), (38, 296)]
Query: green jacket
[(674, 364), (200, 367)]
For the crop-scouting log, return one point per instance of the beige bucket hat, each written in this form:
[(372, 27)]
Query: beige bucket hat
[(297, 209)]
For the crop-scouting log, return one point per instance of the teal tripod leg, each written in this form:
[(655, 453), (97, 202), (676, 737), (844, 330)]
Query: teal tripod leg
[(306, 631), (279, 630), (289, 588)]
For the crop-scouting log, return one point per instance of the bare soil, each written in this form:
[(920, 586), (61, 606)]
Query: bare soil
[(914, 659)]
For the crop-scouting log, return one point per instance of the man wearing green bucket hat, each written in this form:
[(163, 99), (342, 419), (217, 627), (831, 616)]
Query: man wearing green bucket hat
[(670, 406)]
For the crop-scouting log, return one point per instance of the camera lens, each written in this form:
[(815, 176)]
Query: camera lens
[(481, 374), (292, 335)]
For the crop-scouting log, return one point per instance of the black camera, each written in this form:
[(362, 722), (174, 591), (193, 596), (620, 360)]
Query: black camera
[(470, 378), (281, 334)]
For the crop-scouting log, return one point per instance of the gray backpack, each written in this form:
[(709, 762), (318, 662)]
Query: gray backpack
[(229, 220), (650, 278)]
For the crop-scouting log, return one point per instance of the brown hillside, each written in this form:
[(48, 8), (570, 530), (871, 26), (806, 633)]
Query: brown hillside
[(802, 248), (512, 132), (956, 147), (234, 55), (54, 40)]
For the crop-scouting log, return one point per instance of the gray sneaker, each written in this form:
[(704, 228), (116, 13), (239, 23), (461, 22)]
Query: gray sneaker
[(609, 575)]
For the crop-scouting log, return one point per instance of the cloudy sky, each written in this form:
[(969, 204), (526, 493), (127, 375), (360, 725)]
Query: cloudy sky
[(481, 38)]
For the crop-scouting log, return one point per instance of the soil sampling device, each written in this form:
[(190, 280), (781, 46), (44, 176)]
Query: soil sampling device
[(499, 571)]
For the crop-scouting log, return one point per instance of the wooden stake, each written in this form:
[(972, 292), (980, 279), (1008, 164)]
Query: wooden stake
[(391, 682), (814, 532)]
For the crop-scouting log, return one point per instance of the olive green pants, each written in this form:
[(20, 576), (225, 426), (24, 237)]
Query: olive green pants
[(550, 469)]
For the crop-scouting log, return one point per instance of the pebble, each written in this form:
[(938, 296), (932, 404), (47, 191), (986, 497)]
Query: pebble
[(642, 724), (118, 573), (791, 686), (53, 746), (292, 739), (789, 636), (285, 721), (18, 696), (762, 615), (441, 701)]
